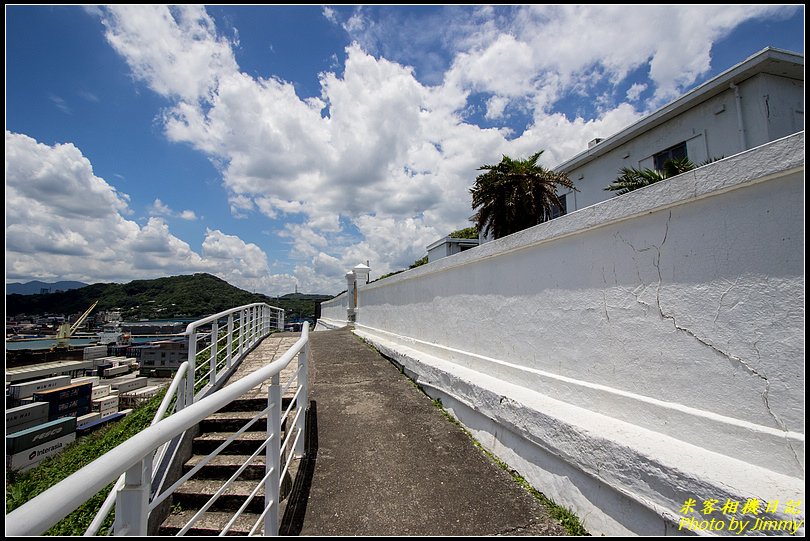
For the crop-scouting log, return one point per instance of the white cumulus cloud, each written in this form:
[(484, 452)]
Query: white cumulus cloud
[(64, 222), (380, 164), (159, 208)]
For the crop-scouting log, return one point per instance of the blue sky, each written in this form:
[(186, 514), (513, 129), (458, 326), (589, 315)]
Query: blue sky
[(275, 146)]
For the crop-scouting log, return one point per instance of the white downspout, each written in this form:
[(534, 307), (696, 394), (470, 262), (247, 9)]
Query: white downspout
[(740, 123)]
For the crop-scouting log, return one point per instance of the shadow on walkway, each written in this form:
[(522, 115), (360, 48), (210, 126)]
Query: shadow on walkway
[(293, 519)]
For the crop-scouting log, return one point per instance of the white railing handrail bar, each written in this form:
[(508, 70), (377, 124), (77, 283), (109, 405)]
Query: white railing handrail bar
[(172, 390), (42, 512), (109, 503), (194, 324)]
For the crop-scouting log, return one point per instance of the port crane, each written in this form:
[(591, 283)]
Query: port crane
[(66, 330)]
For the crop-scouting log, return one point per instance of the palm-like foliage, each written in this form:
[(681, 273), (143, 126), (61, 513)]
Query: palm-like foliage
[(515, 194), (630, 179), (676, 166)]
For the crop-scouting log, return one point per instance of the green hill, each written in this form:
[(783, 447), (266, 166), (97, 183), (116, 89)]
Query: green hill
[(190, 296)]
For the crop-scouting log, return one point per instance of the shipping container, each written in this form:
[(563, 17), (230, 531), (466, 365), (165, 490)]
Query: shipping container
[(26, 416), (40, 434), (101, 368), (86, 420), (100, 392), (99, 423), (94, 352), (105, 403), (106, 413), (25, 460), (91, 379), (58, 409), (139, 396), (125, 386), (115, 371), (77, 412), (24, 390), (68, 392)]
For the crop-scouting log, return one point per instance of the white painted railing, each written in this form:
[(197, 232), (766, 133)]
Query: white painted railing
[(218, 342), (135, 500), (244, 327), (172, 402)]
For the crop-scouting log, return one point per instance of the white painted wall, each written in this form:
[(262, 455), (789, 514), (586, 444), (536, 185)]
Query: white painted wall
[(676, 311), (333, 311), (773, 108), (710, 130)]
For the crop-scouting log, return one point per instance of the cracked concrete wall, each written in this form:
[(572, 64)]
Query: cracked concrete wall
[(678, 308)]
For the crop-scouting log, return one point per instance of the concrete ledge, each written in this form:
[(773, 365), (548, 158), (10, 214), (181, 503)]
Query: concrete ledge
[(713, 432), (324, 324), (618, 477)]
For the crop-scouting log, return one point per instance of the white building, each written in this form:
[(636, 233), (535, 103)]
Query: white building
[(449, 246), (755, 102)]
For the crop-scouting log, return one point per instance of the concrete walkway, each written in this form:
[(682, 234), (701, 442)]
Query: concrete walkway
[(384, 461)]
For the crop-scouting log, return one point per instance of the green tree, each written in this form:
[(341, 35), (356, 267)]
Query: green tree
[(515, 194), (466, 233), (630, 179), (419, 262)]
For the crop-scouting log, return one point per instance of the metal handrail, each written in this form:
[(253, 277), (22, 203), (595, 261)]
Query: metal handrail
[(109, 502), (133, 458), (244, 327), (187, 395), (220, 315)]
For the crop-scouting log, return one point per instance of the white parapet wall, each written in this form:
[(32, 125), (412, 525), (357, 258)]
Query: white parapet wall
[(333, 313), (631, 355)]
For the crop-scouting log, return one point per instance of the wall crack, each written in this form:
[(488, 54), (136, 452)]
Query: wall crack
[(723, 296), (740, 361)]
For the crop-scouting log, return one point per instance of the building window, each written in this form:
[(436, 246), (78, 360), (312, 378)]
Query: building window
[(672, 153), (556, 211)]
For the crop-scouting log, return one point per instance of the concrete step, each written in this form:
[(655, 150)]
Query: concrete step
[(246, 443), (210, 523), (225, 421), (223, 466), (194, 493), (252, 404)]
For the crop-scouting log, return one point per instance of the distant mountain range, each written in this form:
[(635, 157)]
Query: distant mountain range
[(35, 287), (189, 296)]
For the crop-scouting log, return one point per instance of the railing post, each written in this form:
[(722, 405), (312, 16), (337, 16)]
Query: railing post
[(303, 397), (260, 311), (281, 319), (180, 398), (351, 296), (212, 376), (241, 332), (132, 501), (250, 327), (192, 367), (273, 457), (229, 356)]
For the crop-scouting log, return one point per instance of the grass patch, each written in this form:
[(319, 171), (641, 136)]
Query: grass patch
[(21, 487), (565, 517)]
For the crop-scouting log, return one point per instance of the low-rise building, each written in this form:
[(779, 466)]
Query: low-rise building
[(759, 100), (448, 246), (162, 358)]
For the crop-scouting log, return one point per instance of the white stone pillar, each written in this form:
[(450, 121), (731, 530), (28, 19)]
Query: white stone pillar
[(351, 294)]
